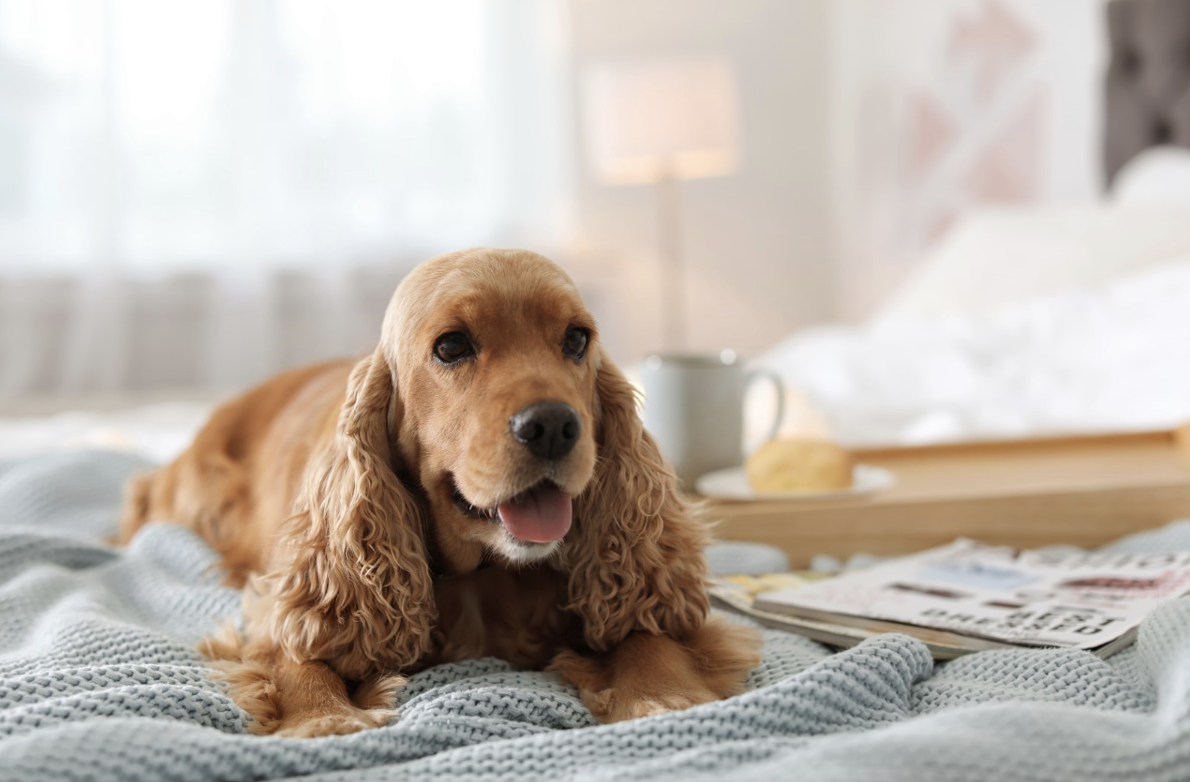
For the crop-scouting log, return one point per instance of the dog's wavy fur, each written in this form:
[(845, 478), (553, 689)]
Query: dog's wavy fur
[(328, 491)]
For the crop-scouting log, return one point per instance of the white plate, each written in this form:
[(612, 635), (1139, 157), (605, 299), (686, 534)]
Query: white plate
[(732, 484)]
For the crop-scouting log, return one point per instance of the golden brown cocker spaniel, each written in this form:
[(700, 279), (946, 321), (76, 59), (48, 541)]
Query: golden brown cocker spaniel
[(480, 485)]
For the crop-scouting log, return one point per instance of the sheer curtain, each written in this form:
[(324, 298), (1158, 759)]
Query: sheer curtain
[(201, 191)]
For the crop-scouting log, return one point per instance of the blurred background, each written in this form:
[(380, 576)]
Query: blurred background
[(931, 216)]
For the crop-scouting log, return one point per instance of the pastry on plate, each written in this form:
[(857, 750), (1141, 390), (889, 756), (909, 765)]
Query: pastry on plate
[(787, 466)]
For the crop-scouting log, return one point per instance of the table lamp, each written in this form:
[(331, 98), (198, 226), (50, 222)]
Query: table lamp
[(657, 121)]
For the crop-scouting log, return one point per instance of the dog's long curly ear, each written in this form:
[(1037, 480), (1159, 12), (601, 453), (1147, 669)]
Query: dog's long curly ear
[(637, 561), (356, 591)]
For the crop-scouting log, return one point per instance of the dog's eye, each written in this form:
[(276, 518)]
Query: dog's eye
[(575, 344), (453, 347)]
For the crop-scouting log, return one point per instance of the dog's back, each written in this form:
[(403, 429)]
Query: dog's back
[(237, 481)]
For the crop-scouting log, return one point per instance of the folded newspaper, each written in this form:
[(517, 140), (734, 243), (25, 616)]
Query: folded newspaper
[(971, 596)]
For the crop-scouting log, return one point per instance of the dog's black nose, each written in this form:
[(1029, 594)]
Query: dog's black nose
[(548, 429)]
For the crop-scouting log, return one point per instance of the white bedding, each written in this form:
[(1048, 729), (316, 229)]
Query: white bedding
[(1098, 357)]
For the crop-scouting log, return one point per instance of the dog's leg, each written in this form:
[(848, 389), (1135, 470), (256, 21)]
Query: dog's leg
[(298, 699), (313, 701), (207, 493), (651, 674)]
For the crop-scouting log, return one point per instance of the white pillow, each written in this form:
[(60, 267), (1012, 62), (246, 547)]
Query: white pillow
[(1159, 176), (996, 256)]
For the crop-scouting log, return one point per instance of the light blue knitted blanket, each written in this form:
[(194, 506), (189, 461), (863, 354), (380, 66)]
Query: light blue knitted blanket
[(99, 680)]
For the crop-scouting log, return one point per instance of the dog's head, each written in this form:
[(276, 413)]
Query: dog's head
[(495, 361), (488, 419)]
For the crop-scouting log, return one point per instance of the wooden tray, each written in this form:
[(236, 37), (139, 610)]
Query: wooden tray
[(1083, 491)]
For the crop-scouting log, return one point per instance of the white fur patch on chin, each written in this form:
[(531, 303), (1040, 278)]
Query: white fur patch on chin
[(520, 553)]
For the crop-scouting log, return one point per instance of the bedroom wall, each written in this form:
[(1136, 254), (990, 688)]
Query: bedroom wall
[(939, 106), (868, 127), (757, 243)]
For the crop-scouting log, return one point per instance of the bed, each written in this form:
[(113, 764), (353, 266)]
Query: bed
[(99, 678)]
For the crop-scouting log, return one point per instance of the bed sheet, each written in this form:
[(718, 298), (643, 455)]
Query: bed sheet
[(99, 680)]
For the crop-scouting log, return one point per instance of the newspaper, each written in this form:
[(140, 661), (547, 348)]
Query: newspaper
[(738, 594), (969, 596)]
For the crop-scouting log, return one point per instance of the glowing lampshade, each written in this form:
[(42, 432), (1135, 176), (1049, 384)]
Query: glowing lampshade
[(655, 119)]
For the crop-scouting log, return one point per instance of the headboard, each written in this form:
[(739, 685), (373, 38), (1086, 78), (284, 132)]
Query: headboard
[(1148, 78)]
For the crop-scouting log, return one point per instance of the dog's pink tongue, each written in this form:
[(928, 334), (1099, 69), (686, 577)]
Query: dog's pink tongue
[(540, 515)]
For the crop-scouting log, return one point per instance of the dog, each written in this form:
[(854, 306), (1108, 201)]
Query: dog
[(481, 484)]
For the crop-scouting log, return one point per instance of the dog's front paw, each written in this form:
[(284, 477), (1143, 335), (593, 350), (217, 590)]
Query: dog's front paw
[(616, 704), (648, 674), (336, 723)]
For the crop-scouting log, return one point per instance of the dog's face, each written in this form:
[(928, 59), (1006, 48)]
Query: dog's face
[(496, 361)]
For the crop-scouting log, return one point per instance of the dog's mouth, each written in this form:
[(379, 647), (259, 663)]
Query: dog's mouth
[(539, 514)]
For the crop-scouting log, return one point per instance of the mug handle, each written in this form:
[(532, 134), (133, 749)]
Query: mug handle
[(775, 379)]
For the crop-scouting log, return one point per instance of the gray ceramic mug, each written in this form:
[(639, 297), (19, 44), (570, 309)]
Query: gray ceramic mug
[(694, 408)]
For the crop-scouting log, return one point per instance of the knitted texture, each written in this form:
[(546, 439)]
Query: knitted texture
[(99, 680)]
